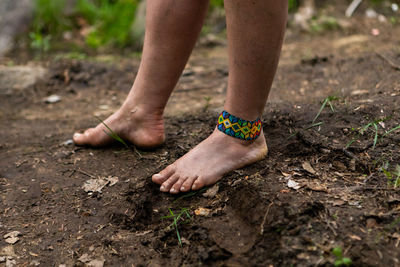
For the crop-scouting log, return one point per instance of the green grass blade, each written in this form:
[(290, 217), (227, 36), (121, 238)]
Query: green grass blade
[(376, 135), (314, 125), (392, 130), (177, 232), (112, 134), (331, 106), (365, 127), (320, 110)]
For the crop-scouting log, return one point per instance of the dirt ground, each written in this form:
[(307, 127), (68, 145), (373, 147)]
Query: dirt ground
[(314, 191)]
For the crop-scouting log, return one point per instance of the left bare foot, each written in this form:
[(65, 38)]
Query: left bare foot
[(209, 161)]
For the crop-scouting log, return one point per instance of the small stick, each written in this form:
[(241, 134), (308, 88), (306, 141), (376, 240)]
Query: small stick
[(85, 173), (352, 7), (390, 62), (265, 218)]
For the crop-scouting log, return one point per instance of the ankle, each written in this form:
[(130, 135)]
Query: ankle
[(141, 111)]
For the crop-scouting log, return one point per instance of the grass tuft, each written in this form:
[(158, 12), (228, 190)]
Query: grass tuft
[(176, 217)]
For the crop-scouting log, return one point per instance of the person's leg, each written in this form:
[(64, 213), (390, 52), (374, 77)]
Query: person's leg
[(172, 27), (255, 34)]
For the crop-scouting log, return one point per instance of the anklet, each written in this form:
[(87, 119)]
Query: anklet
[(237, 127)]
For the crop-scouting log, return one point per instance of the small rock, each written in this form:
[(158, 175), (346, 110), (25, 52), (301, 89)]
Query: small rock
[(10, 263), (202, 212), (34, 263), (17, 78), (2, 259), (68, 142), (52, 99)]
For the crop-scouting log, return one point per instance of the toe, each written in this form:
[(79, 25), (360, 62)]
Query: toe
[(163, 175), (176, 188), (198, 183), (166, 186), (82, 138), (187, 185)]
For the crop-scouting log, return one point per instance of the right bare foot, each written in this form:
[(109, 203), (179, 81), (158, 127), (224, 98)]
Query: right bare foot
[(135, 125)]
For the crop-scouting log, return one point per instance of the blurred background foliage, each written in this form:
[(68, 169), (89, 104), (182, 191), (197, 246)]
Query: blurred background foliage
[(107, 24)]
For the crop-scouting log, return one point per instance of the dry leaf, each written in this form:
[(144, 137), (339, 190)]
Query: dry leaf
[(202, 212), (307, 166), (211, 192), (293, 184)]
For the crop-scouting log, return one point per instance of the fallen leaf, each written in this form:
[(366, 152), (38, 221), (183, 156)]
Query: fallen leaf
[(12, 237), (96, 263), (8, 251), (371, 223), (315, 186), (211, 192), (112, 180), (307, 166), (94, 185), (84, 258), (11, 263), (202, 212), (293, 184), (359, 92), (338, 202), (355, 237)]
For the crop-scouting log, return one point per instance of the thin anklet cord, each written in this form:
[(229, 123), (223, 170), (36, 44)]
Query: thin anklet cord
[(239, 128)]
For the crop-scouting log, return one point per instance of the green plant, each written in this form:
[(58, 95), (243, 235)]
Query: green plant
[(323, 23), (326, 101), (207, 104), (293, 5), (49, 17), (110, 21), (216, 3), (373, 124), (392, 177), (339, 259), (113, 135), (39, 42), (177, 217)]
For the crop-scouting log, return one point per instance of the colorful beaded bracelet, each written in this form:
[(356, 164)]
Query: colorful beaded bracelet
[(239, 128)]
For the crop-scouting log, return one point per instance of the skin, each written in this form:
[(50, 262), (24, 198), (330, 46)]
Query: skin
[(255, 32)]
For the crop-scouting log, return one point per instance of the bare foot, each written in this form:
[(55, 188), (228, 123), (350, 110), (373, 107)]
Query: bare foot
[(134, 125), (209, 161)]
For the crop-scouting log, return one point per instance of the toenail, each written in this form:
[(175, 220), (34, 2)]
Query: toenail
[(76, 134), (162, 187), (157, 176), (173, 190), (182, 188)]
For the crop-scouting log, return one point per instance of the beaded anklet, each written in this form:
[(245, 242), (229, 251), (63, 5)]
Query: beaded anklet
[(239, 128)]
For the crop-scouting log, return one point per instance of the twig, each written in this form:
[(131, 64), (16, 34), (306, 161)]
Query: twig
[(265, 218), (85, 173), (352, 7), (390, 62)]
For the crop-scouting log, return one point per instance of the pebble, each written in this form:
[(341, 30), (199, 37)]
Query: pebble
[(52, 99)]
